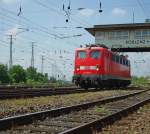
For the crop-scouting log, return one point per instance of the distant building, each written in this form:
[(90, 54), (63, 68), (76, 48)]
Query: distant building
[(134, 37)]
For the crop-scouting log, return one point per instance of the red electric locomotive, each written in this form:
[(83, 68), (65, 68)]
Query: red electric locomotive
[(96, 66)]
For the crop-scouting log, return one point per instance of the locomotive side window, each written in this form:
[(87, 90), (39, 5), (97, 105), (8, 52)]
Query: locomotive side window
[(117, 58), (124, 62), (113, 58), (81, 54), (121, 60), (95, 54)]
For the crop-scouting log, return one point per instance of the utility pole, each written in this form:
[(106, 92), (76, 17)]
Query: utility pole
[(55, 70), (11, 43), (32, 56), (10, 59), (42, 65), (52, 70)]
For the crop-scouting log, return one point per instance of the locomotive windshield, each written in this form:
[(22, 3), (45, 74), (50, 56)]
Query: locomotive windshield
[(95, 54), (81, 54)]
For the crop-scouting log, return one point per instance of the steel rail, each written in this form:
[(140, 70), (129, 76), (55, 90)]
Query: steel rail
[(10, 122), (97, 125)]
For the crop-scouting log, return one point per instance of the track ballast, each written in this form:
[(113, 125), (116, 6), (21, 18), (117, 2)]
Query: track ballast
[(80, 117)]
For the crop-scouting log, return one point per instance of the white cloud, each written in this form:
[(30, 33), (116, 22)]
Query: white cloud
[(118, 12), (8, 1), (86, 12), (13, 31)]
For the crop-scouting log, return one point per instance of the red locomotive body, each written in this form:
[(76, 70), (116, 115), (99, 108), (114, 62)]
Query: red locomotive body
[(99, 67)]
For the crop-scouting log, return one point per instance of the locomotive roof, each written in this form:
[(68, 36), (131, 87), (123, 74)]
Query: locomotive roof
[(92, 48), (99, 48)]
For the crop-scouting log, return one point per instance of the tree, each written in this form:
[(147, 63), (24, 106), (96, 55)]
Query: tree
[(31, 73), (41, 78), (17, 74), (4, 76)]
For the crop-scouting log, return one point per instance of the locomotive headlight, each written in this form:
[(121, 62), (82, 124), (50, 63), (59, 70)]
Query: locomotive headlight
[(78, 68), (97, 67)]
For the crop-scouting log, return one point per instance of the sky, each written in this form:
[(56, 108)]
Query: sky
[(44, 23)]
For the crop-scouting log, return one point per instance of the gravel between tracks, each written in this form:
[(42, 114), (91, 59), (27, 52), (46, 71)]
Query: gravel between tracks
[(21, 106), (136, 123)]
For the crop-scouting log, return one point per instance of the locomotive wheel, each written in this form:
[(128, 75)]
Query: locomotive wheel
[(84, 86)]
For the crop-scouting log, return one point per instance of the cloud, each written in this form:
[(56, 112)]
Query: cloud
[(13, 30), (86, 12), (118, 12), (8, 1)]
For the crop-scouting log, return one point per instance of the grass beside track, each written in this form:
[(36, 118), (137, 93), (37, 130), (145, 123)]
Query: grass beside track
[(21, 106)]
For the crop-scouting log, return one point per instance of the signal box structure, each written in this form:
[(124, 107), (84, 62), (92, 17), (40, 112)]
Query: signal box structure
[(134, 37)]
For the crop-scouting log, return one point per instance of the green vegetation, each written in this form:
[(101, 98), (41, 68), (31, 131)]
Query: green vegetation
[(140, 81), (17, 74), (4, 76), (30, 77), (144, 108), (35, 77), (100, 109)]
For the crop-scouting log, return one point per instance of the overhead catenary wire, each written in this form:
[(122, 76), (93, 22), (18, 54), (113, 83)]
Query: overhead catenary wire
[(4, 43), (143, 9), (30, 41), (33, 31), (28, 23), (58, 12), (78, 19), (46, 31), (38, 27)]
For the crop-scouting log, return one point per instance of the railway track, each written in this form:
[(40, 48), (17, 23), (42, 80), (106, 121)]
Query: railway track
[(136, 123), (21, 92), (25, 86), (78, 119), (36, 92)]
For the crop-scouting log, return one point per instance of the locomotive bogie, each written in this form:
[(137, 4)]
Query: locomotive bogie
[(98, 82)]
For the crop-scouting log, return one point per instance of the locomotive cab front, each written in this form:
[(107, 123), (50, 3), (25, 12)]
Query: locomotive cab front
[(88, 66)]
